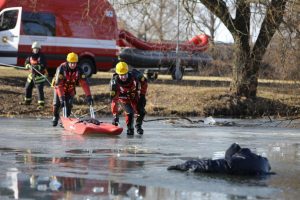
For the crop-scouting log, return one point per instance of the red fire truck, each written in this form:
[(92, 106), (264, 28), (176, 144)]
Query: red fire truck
[(86, 27)]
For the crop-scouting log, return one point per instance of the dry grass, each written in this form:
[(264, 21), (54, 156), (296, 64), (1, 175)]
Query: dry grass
[(179, 99), (194, 96)]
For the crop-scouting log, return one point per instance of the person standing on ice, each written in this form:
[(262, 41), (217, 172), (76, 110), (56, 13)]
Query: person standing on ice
[(68, 74), (129, 88)]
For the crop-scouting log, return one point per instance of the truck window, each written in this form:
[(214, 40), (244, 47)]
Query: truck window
[(42, 24), (8, 20)]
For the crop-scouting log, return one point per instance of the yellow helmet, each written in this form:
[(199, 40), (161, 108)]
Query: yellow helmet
[(72, 57), (122, 68)]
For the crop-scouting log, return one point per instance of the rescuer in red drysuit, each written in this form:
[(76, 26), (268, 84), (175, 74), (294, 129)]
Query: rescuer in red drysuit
[(66, 78), (129, 89)]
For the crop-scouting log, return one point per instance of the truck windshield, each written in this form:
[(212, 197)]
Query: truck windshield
[(8, 20)]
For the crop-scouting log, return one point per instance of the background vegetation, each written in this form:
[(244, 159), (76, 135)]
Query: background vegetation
[(194, 96)]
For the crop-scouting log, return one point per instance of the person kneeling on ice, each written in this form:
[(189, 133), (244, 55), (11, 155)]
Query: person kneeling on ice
[(129, 88), (66, 78), (237, 161)]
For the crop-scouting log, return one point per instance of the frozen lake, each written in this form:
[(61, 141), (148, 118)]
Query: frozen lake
[(38, 161)]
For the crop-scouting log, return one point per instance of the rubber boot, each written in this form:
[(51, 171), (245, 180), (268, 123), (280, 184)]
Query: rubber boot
[(55, 121), (41, 106), (139, 122), (130, 129), (56, 115), (139, 129), (26, 102)]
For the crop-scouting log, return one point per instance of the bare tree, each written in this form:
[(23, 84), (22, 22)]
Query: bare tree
[(157, 20), (247, 58), (204, 20), (151, 19)]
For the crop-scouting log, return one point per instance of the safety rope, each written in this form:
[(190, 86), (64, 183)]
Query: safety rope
[(18, 67)]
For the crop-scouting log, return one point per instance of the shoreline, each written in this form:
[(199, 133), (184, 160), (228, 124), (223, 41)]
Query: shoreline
[(191, 97), (194, 122)]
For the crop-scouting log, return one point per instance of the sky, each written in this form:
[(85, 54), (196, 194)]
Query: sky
[(257, 16), (223, 35)]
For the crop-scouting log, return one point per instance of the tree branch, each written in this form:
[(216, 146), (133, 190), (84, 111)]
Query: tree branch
[(272, 21), (219, 8)]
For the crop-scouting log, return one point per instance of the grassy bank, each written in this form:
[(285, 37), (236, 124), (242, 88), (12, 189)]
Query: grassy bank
[(193, 96)]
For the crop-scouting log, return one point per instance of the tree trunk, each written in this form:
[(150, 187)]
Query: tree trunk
[(247, 62), (245, 71)]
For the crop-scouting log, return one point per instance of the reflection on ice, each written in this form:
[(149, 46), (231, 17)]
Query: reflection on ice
[(98, 189), (38, 187), (12, 181)]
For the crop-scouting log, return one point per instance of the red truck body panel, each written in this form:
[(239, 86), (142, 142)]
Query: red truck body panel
[(88, 28)]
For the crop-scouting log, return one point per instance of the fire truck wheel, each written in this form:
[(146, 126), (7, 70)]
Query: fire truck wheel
[(87, 66)]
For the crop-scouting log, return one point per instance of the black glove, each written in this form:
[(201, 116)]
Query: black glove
[(115, 120), (112, 94), (131, 95), (62, 101), (142, 100), (89, 100)]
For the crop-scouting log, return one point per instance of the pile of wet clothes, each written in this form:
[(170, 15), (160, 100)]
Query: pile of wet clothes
[(237, 161)]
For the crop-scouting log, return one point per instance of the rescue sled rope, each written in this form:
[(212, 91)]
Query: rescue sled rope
[(18, 67), (78, 117)]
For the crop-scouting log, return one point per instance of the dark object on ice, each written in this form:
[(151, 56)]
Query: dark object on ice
[(237, 161), (89, 120)]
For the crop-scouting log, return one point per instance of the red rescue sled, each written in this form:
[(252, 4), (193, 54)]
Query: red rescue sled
[(77, 126), (89, 126)]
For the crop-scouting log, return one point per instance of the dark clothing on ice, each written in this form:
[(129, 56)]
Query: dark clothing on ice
[(238, 161)]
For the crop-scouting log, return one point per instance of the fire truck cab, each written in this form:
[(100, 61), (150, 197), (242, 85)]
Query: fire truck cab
[(88, 28)]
